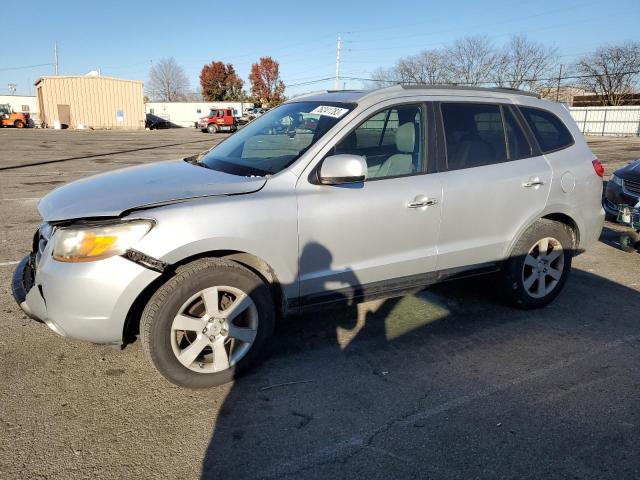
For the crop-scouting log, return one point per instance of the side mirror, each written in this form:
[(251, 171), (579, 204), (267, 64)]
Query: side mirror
[(339, 169)]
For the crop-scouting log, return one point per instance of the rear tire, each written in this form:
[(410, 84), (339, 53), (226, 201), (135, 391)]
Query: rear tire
[(207, 324), (18, 124), (539, 265), (629, 242), (212, 128)]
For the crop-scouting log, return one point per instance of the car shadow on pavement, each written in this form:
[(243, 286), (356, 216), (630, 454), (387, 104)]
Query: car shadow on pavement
[(421, 386)]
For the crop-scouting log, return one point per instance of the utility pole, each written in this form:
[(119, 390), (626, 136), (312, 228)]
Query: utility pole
[(338, 48), (558, 86), (55, 58)]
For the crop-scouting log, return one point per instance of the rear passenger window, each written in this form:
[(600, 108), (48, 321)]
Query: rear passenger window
[(517, 142), (474, 135), (548, 129)]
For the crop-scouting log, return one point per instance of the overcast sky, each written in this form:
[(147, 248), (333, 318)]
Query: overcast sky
[(123, 38)]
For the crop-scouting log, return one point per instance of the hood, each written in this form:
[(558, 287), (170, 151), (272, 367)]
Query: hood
[(112, 193), (630, 171)]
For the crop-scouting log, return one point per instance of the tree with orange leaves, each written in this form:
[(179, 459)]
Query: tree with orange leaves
[(220, 82), (266, 85)]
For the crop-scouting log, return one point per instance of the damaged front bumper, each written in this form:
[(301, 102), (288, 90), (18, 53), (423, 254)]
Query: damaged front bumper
[(22, 281), (88, 301)]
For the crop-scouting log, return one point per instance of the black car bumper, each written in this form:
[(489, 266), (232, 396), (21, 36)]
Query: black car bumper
[(616, 195)]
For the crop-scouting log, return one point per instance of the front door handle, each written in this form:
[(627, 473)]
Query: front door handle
[(533, 182), (421, 201)]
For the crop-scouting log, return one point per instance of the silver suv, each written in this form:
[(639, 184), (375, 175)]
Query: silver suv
[(332, 197)]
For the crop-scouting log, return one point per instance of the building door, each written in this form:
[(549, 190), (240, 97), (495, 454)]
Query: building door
[(64, 114)]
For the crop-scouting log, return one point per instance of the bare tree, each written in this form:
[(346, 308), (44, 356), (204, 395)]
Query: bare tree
[(167, 81), (472, 60), (525, 64), (384, 77), (428, 67), (612, 72)]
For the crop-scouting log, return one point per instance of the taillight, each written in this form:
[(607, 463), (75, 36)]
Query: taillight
[(598, 167)]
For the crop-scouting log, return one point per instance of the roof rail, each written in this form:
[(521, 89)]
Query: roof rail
[(466, 87), (344, 90)]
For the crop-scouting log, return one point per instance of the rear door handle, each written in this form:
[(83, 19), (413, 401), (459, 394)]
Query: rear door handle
[(533, 182), (421, 201)]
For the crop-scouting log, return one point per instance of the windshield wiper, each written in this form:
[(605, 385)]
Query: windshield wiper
[(229, 168)]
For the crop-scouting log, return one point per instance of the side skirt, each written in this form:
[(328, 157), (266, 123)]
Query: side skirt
[(396, 287)]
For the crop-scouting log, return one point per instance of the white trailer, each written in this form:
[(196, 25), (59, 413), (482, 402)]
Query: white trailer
[(186, 114), (21, 103)]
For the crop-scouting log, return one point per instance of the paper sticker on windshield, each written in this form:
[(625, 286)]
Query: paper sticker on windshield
[(335, 112)]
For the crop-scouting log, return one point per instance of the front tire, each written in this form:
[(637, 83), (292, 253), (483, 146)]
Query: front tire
[(539, 265), (212, 128), (207, 324), (18, 124)]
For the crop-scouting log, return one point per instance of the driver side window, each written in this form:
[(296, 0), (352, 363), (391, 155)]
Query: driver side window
[(391, 141)]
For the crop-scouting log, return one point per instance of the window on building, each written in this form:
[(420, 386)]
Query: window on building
[(25, 108)]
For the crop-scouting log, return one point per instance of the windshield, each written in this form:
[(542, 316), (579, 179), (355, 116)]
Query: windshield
[(275, 140)]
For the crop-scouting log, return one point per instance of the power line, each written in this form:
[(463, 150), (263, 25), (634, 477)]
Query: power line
[(492, 82), (25, 67), (338, 47), (453, 84), (509, 21)]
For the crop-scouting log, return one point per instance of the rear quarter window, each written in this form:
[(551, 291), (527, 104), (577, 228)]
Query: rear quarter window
[(548, 129)]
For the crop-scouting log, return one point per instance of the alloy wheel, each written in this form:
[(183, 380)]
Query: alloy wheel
[(543, 267), (214, 329)]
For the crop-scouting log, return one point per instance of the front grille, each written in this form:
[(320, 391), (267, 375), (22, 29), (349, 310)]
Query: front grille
[(611, 205), (633, 187)]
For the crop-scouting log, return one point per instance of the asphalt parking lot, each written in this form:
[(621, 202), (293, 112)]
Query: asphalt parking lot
[(448, 383)]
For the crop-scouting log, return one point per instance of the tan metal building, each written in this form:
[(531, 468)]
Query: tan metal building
[(93, 101)]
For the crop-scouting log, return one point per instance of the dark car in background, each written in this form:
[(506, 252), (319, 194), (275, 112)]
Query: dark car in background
[(153, 122), (623, 188)]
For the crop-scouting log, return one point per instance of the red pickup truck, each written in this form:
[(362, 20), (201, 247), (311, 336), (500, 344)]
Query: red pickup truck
[(218, 120)]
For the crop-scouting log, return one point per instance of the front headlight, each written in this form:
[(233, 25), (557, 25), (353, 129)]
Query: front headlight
[(616, 180), (87, 244)]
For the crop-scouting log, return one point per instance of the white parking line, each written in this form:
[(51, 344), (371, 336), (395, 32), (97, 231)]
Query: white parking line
[(28, 199), (6, 264)]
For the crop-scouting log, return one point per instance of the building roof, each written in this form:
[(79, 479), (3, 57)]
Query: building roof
[(88, 77)]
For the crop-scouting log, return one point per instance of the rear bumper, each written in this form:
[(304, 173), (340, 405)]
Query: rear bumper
[(87, 301), (591, 229)]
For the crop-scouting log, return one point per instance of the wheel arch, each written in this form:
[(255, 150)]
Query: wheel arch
[(556, 216), (569, 222), (254, 263)]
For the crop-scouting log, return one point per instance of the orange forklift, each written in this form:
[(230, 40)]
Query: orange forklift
[(9, 118)]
